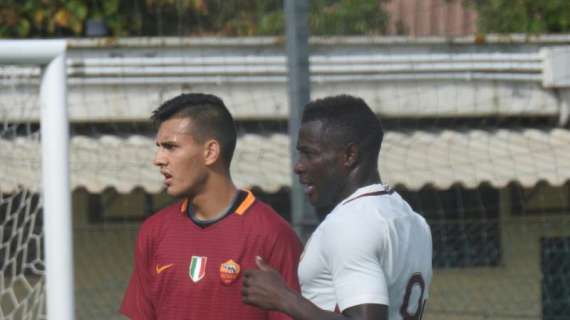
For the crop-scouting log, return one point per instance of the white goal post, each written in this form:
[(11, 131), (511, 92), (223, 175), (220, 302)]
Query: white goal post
[(55, 166)]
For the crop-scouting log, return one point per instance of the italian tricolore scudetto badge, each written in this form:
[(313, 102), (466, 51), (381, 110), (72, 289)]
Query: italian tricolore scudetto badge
[(197, 268)]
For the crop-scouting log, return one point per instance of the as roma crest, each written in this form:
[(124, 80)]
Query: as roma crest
[(197, 268), (229, 271)]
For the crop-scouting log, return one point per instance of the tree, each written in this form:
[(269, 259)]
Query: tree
[(348, 17), (265, 17), (45, 18), (522, 16), (55, 18)]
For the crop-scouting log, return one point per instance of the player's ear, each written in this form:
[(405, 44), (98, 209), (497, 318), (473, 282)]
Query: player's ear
[(351, 155), (212, 151)]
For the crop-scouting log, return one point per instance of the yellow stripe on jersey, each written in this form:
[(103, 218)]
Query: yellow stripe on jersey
[(246, 203), (184, 206)]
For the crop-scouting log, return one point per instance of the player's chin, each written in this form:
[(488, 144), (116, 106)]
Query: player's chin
[(173, 192), (320, 202), (313, 198)]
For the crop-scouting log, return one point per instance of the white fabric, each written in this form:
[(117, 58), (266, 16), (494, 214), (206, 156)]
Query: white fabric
[(365, 252)]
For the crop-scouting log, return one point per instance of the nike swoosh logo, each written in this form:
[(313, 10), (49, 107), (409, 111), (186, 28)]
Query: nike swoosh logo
[(159, 269)]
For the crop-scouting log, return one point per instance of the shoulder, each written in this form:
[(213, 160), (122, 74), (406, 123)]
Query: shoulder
[(161, 218), (377, 219), (378, 207), (353, 227), (264, 222), (361, 213), (267, 218), (279, 240)]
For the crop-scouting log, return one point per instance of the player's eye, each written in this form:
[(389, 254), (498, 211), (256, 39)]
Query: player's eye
[(168, 146), (308, 155)]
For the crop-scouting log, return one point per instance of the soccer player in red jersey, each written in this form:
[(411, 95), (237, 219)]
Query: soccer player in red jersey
[(190, 256)]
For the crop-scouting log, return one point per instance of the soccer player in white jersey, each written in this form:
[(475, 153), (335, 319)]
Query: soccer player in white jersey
[(371, 256)]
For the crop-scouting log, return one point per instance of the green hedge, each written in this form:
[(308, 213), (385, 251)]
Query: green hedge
[(522, 16), (56, 18)]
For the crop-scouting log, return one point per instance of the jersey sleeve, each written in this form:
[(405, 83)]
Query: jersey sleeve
[(353, 254), (137, 304), (283, 255)]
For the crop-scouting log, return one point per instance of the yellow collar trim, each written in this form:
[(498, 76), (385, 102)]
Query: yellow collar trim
[(245, 204)]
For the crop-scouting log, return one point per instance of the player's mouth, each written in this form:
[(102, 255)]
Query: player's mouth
[(308, 187), (167, 178)]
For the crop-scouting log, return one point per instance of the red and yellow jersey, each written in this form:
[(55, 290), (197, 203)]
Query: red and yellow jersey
[(184, 271)]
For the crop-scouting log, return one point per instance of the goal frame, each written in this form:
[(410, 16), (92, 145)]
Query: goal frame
[(57, 228)]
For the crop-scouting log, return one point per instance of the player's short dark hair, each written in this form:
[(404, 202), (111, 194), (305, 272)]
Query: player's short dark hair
[(209, 115), (351, 120)]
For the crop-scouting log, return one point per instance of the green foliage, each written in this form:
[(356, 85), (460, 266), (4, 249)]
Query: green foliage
[(523, 16), (266, 17), (45, 18), (347, 17), (327, 17), (238, 18)]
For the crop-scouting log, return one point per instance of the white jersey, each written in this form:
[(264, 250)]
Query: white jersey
[(371, 249)]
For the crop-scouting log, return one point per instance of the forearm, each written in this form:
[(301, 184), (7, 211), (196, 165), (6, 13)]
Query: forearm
[(265, 289), (300, 308)]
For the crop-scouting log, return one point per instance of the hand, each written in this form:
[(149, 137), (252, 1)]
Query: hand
[(264, 287)]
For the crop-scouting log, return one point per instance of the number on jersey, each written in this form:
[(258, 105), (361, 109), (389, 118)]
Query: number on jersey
[(415, 281)]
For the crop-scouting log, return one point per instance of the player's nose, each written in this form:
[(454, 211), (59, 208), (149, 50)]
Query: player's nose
[(299, 168), (159, 158)]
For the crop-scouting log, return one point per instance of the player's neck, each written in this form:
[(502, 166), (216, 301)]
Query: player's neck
[(217, 195), (359, 179)]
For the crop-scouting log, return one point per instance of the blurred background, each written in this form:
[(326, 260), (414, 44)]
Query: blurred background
[(474, 96)]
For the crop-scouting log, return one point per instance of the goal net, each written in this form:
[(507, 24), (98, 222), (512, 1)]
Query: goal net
[(22, 283)]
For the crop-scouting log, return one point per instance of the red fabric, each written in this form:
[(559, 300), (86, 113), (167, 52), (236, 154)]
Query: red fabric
[(170, 237)]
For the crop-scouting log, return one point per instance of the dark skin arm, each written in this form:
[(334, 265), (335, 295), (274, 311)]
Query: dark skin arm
[(265, 289)]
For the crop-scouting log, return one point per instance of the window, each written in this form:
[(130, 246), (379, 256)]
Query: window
[(555, 265), (464, 224), (112, 206), (540, 200)]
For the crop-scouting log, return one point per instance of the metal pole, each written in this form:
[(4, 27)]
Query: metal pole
[(56, 195), (30, 51), (299, 90)]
